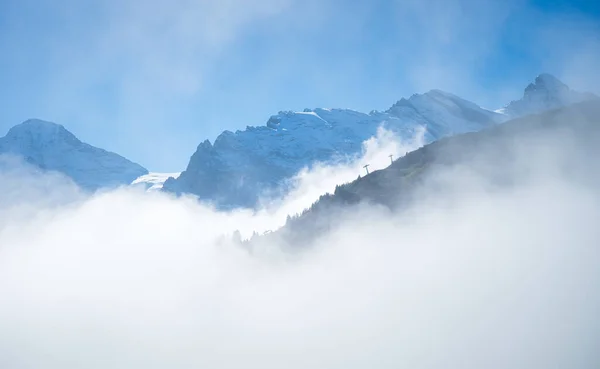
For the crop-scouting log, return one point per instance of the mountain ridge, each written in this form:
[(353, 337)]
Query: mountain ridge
[(240, 167), (50, 146), (401, 184), (546, 92)]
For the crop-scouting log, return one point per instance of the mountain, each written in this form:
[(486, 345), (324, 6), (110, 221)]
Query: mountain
[(504, 156), (241, 167), (50, 146), (545, 93)]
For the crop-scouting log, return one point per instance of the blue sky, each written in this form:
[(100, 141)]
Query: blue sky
[(151, 80)]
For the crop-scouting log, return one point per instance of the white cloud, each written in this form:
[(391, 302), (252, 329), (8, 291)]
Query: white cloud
[(321, 178), (490, 279)]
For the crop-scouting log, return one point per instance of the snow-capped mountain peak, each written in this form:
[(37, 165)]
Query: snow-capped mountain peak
[(546, 92), (40, 131), (243, 165), (443, 113), (546, 82), (51, 146)]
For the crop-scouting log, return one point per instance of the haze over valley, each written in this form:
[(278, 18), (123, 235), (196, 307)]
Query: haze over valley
[(451, 226)]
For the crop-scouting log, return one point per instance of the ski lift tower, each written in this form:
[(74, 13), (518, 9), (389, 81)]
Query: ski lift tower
[(392, 158), (367, 168)]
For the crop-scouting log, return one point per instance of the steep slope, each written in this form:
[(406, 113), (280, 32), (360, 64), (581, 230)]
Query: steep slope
[(242, 166), (50, 146), (545, 93), (443, 114), (500, 157)]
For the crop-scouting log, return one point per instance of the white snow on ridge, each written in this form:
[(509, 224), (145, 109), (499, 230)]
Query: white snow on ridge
[(239, 167), (51, 147), (153, 181)]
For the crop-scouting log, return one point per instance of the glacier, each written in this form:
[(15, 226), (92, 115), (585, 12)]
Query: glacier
[(51, 147)]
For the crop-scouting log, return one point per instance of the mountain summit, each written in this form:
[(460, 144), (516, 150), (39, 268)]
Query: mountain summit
[(546, 93), (241, 167), (34, 131), (398, 186), (51, 146)]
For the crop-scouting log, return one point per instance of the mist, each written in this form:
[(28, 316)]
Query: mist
[(470, 277), (321, 178)]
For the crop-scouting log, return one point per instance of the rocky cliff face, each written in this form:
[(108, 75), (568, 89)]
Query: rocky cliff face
[(545, 93), (240, 167)]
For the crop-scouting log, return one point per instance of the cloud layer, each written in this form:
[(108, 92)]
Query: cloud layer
[(465, 279)]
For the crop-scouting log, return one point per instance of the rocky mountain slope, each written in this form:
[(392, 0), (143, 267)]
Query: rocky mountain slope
[(500, 157), (51, 147), (545, 93), (241, 167)]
